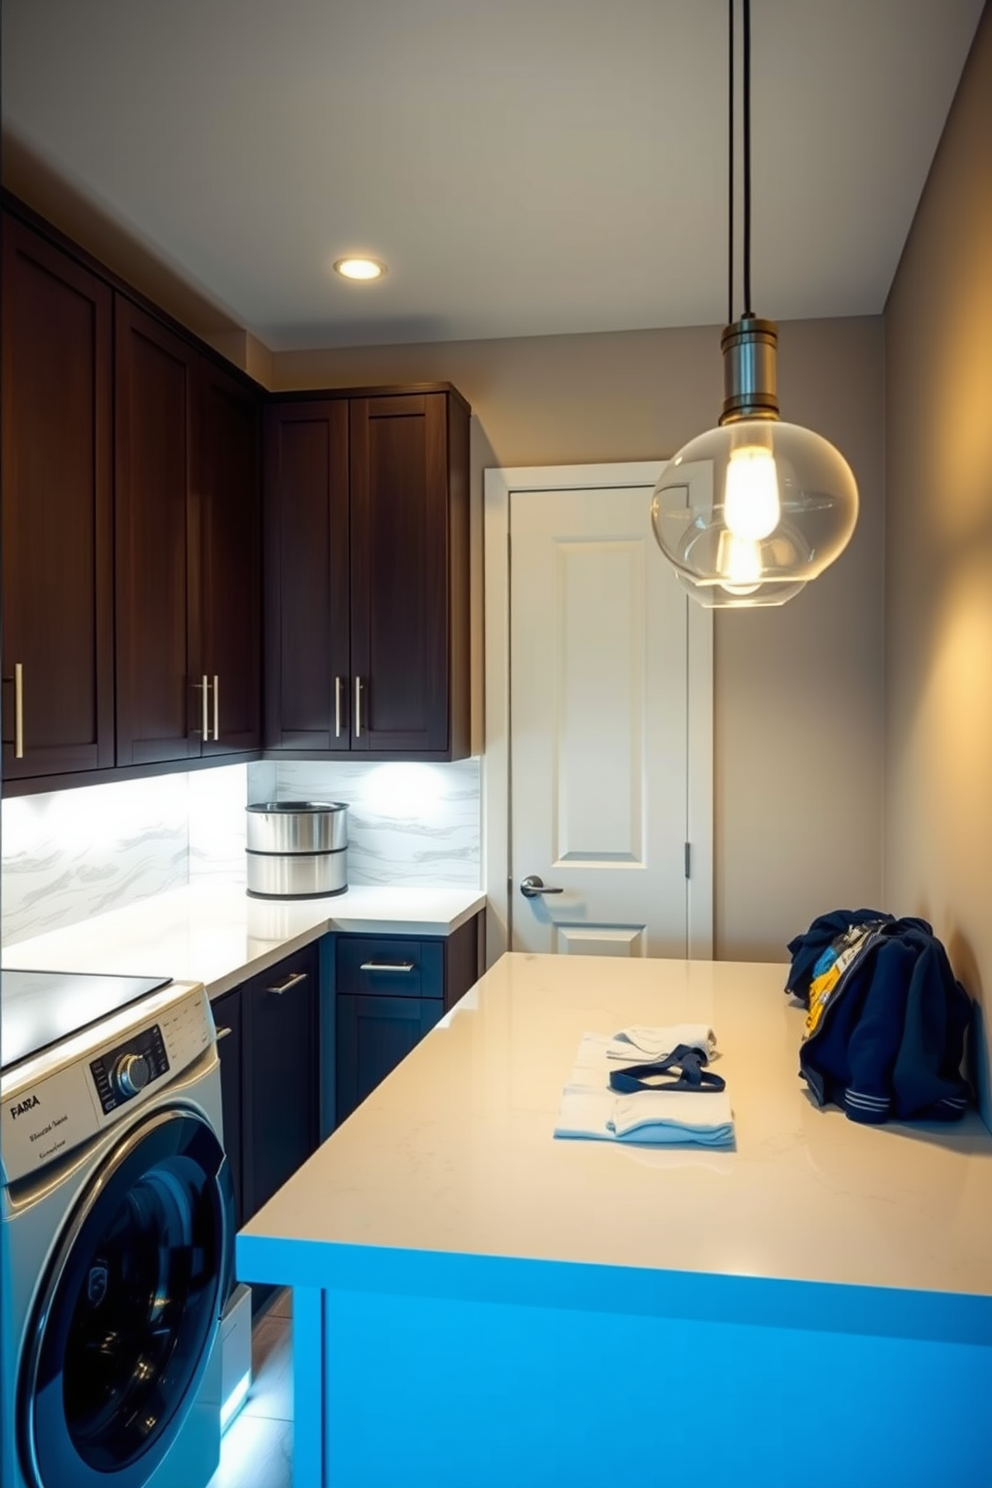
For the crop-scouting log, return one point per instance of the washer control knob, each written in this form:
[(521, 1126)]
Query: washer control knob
[(132, 1073)]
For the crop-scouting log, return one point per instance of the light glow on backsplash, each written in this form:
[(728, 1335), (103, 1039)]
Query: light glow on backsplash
[(70, 855), (409, 824), (405, 792)]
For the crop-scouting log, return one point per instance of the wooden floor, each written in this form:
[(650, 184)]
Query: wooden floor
[(257, 1448)]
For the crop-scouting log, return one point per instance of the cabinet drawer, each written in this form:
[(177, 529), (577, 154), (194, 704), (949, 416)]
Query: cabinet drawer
[(386, 966)]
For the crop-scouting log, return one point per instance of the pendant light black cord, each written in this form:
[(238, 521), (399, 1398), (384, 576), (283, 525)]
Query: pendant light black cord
[(747, 158), (746, 7), (730, 170)]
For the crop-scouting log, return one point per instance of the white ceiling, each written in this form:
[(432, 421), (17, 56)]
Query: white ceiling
[(525, 167)]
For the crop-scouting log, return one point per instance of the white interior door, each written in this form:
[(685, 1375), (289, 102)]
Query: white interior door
[(607, 693)]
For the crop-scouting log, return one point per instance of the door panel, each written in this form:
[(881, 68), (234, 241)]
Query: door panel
[(598, 689), (373, 1035), (598, 727), (279, 1043), (57, 509), (308, 663), (158, 706), (228, 524), (600, 940), (399, 575)]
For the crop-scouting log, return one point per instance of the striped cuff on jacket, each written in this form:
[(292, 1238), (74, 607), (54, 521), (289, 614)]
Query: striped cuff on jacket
[(862, 1107)]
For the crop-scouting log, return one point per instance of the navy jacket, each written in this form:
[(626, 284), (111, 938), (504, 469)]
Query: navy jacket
[(887, 1020)]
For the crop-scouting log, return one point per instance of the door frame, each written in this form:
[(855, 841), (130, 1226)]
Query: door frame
[(498, 484)]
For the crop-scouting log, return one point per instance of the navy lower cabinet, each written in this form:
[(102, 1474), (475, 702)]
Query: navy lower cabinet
[(267, 1032), (390, 992), (374, 1034), (280, 1092)]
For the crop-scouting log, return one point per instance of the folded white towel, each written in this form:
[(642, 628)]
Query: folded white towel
[(639, 1045), (586, 1112), (649, 1118), (674, 1116)]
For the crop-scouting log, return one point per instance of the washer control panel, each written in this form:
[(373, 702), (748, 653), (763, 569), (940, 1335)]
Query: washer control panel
[(68, 1094), (123, 1072)]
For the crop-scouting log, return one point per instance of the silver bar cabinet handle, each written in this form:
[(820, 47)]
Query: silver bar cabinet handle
[(204, 708), (18, 710), (387, 966), (358, 707), (216, 707), (293, 980), (337, 707), (223, 1033)]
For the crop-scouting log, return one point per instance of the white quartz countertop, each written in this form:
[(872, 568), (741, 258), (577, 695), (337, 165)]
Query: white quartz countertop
[(454, 1152), (212, 932)]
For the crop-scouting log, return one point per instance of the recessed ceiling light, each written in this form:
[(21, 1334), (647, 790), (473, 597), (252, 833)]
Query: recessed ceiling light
[(360, 268)]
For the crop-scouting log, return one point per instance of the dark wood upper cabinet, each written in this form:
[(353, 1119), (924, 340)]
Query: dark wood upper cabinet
[(367, 575), (307, 626), (188, 550), (227, 495), (139, 476), (160, 704), (58, 657)]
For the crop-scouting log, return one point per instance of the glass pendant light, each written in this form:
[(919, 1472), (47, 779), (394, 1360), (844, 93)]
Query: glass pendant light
[(750, 511)]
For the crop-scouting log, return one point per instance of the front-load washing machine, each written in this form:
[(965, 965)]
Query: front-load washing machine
[(118, 1233)]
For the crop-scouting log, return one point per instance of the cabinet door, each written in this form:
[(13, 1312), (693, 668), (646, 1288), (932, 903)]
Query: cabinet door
[(373, 1035), (57, 511), (227, 523), (280, 1052), (308, 670), (399, 574), (227, 1017), (160, 704)]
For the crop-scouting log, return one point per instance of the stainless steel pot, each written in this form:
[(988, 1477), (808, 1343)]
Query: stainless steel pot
[(297, 849), (297, 826)]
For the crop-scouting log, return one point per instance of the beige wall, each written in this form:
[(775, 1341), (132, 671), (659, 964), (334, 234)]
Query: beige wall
[(938, 331), (798, 691)]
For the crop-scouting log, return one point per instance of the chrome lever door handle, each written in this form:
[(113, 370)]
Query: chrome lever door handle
[(532, 886)]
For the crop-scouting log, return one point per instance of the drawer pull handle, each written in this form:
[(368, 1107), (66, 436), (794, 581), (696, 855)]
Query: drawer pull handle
[(18, 681), (223, 1033), (388, 966), (293, 980), (18, 710)]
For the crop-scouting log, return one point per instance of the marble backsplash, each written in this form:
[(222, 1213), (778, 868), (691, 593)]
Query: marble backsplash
[(408, 824), (70, 855)]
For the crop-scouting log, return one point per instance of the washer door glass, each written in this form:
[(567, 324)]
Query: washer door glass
[(126, 1318)]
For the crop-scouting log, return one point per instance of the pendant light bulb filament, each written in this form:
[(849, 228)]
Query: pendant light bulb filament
[(752, 509)]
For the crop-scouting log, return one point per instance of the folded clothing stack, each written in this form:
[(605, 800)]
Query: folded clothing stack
[(607, 1102)]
